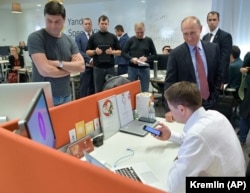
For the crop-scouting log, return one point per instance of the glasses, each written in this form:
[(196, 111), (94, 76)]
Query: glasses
[(212, 19)]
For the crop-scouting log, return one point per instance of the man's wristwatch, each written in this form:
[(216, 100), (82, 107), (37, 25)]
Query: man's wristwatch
[(60, 65)]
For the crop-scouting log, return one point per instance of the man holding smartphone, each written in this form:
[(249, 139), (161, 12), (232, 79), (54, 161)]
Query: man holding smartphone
[(208, 145)]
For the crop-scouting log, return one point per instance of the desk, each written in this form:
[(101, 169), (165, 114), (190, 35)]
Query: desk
[(159, 155), (24, 71), (4, 69)]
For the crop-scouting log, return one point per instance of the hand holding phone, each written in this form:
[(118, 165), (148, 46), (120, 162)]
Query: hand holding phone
[(152, 130)]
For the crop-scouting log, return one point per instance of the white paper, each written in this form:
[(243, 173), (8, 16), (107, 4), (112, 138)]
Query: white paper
[(109, 116), (125, 111)]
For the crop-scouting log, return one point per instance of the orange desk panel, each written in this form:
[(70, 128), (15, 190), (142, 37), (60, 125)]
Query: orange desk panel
[(29, 167)]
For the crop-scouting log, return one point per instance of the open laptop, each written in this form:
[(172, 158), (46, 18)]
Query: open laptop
[(125, 112), (135, 127), (36, 121), (141, 170)]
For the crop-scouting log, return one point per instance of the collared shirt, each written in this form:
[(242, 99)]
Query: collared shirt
[(209, 147), (88, 34), (214, 33), (204, 60)]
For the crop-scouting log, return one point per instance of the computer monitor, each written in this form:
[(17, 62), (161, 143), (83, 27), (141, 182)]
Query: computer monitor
[(15, 97), (162, 61), (36, 121), (160, 65)]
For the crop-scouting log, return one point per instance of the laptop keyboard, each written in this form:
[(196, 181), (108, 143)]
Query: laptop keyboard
[(128, 172)]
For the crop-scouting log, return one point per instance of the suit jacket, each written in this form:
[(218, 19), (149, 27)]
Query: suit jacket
[(180, 68), (119, 59), (225, 42), (82, 41), (245, 105), (235, 74)]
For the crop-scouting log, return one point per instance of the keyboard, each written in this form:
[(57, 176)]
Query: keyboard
[(128, 172)]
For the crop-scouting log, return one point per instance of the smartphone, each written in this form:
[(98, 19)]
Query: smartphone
[(152, 130), (146, 119)]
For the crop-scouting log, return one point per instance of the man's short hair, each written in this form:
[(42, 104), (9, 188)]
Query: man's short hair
[(167, 46), (194, 18), (139, 25), (184, 93), (103, 18), (235, 52), (119, 28), (86, 18), (54, 8), (214, 13)]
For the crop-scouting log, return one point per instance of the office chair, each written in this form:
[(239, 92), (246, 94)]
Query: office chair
[(160, 64), (235, 117)]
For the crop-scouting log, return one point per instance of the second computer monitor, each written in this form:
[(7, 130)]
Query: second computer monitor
[(36, 121)]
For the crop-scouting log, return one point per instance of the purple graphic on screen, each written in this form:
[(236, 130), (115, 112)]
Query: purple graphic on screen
[(41, 125)]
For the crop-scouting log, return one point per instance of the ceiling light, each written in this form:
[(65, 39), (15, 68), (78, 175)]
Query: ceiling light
[(16, 8)]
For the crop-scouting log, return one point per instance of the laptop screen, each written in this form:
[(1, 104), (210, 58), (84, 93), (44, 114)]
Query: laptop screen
[(37, 122)]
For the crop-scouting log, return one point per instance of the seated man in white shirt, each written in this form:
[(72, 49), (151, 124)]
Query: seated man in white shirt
[(209, 145)]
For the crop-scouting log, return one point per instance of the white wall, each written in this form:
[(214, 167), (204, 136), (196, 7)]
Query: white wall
[(162, 19)]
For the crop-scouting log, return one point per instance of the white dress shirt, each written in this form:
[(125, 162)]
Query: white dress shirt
[(209, 147)]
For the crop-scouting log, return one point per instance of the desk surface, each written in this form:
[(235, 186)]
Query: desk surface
[(4, 61), (159, 155)]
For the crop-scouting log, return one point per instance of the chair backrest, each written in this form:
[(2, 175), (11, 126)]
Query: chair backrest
[(162, 61), (114, 81)]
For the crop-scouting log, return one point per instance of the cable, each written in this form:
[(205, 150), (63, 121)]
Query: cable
[(125, 156)]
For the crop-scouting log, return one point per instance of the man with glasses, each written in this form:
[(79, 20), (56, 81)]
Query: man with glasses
[(222, 38), (185, 61)]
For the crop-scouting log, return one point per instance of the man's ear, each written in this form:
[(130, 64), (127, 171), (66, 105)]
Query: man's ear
[(181, 108)]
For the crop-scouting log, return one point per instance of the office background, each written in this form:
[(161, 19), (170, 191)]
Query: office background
[(162, 18)]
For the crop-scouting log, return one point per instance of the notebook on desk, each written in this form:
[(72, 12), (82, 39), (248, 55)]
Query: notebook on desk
[(138, 171)]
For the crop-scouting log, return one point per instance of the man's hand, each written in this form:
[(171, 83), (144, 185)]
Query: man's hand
[(109, 51), (165, 132), (134, 61), (143, 59), (98, 51), (76, 58), (169, 117)]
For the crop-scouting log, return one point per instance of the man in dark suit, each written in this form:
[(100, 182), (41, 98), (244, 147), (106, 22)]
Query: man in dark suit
[(86, 78), (182, 64), (119, 60), (222, 38)]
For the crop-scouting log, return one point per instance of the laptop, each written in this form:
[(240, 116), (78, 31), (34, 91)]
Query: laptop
[(140, 170), (125, 112), (37, 122), (135, 127)]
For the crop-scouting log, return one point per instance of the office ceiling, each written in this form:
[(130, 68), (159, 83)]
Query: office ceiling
[(30, 4)]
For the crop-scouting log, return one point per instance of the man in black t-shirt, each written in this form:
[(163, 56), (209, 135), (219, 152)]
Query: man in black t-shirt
[(103, 46)]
